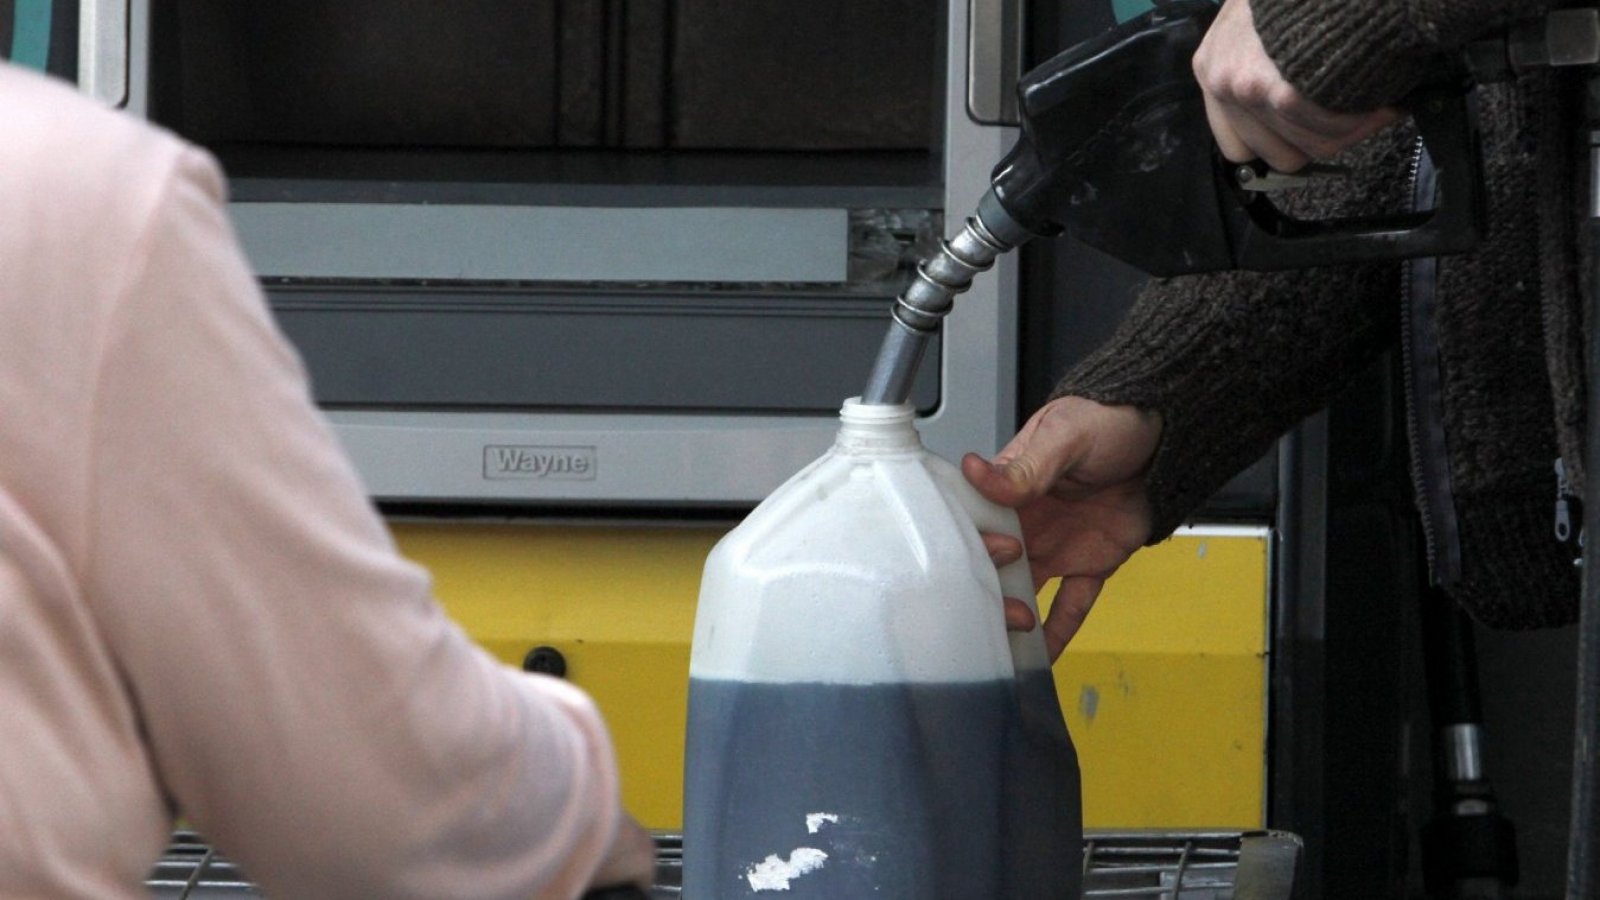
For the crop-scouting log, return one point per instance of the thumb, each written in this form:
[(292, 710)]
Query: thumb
[(1054, 440), (1011, 481)]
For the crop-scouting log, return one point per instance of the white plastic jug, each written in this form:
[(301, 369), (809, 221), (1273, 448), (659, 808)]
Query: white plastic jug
[(860, 722)]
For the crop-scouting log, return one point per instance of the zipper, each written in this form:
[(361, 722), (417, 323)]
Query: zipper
[(1419, 343), (1569, 513)]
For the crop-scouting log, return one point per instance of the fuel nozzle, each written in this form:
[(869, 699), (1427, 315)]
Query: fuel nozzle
[(1068, 130), (930, 295), (1115, 150)]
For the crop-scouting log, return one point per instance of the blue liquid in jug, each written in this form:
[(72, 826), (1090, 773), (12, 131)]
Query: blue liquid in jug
[(891, 791)]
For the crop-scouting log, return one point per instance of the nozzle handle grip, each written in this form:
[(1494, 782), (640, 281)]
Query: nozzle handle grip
[(1265, 238)]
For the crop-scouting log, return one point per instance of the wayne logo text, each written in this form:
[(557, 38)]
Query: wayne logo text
[(548, 463)]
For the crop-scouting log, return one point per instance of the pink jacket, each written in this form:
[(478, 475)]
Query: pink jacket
[(200, 613)]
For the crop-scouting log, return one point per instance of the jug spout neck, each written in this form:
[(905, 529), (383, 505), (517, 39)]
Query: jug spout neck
[(871, 427)]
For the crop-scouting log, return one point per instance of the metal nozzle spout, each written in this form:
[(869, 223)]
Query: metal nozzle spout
[(896, 366), (931, 294)]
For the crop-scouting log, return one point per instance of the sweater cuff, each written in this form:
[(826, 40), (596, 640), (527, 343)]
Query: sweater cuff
[(1172, 358), (1186, 468), (1230, 361), (1346, 55)]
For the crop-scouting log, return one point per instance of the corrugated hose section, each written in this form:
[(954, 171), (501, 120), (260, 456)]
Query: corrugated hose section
[(1154, 865)]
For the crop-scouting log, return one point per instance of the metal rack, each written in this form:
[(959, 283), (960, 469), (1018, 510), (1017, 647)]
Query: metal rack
[(1155, 866), (1190, 866), (191, 869)]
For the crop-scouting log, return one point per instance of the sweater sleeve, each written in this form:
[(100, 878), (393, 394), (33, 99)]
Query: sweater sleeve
[(1232, 360), (1356, 55), (306, 703)]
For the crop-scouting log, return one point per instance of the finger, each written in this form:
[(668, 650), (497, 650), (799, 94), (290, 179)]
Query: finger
[(1233, 147), (1283, 127), (1003, 549), (1322, 134), (1019, 617), (1252, 136), (1269, 145), (1086, 539), (1373, 122), (1073, 601)]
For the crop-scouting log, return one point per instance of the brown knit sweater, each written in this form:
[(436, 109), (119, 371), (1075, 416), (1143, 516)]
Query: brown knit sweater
[(1354, 55), (1233, 360)]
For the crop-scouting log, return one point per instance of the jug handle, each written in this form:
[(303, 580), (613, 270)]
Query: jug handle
[(1028, 650)]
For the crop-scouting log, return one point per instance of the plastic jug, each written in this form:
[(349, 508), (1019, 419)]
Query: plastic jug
[(860, 722)]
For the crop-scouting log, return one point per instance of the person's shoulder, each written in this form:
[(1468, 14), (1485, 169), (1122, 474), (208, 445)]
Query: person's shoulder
[(63, 150)]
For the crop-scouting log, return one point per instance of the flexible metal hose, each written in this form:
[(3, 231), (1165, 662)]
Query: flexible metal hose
[(924, 304)]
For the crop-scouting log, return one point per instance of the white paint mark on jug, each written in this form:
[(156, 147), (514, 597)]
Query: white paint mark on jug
[(774, 874), (815, 821)]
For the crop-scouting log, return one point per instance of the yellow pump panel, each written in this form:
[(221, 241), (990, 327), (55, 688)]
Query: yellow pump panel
[(618, 603), (1164, 689)]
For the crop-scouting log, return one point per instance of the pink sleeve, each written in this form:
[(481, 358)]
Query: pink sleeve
[(309, 707)]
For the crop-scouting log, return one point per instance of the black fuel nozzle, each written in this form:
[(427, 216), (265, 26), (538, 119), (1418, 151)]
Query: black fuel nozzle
[(1113, 133), (1116, 150)]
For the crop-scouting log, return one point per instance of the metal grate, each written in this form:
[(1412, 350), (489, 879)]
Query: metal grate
[(192, 870), (1190, 866), (1157, 866), (669, 867)]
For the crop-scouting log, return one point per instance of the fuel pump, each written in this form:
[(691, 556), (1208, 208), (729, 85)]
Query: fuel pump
[(1095, 158)]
